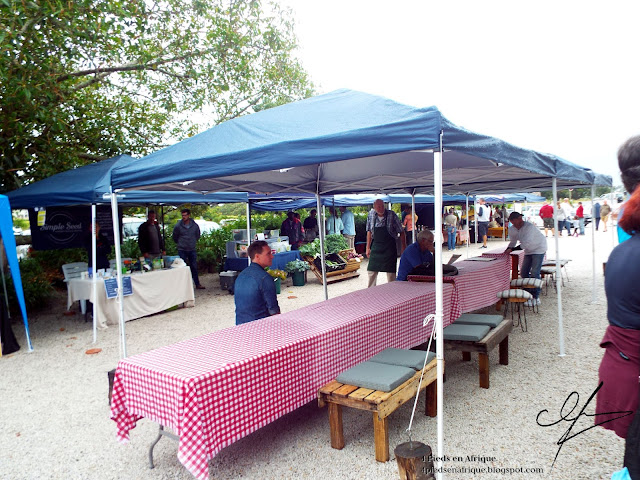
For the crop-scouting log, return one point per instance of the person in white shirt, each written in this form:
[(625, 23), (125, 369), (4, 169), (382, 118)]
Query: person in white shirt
[(483, 216), (534, 244)]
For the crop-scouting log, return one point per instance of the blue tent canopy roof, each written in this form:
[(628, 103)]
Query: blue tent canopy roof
[(86, 185), (345, 142)]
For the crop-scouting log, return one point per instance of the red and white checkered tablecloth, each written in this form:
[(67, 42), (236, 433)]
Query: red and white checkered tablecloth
[(499, 252), (215, 389), (477, 283)]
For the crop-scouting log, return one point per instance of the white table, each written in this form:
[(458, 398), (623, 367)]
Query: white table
[(153, 292)]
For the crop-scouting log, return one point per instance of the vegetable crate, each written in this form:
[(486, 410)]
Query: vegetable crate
[(350, 270)]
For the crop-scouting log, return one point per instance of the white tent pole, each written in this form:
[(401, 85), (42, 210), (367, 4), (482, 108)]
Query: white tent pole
[(120, 299), (594, 296), (475, 215), (413, 215), (558, 269), (321, 228), (613, 230), (94, 277), (248, 226), (437, 178), (467, 225)]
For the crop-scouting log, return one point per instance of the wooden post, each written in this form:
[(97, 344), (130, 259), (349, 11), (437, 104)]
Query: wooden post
[(503, 349), (483, 363), (335, 425), (381, 437), (414, 461)]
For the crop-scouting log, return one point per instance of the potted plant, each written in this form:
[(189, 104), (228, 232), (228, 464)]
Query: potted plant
[(278, 277), (297, 268)]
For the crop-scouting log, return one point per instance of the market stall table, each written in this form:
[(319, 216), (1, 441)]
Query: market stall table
[(477, 282), (280, 261), (215, 389), (153, 292)]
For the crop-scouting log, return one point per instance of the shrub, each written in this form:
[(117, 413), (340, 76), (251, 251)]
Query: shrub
[(35, 284)]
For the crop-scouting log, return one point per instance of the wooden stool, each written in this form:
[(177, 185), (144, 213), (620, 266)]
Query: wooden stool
[(381, 404), (516, 296), (498, 335)]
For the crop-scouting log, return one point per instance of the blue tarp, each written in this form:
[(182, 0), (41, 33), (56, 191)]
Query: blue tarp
[(6, 230), (345, 142), (86, 185)]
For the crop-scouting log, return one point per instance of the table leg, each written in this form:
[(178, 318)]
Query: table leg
[(466, 356), (161, 433), (335, 425), (381, 437), (431, 400), (483, 362), (503, 349)]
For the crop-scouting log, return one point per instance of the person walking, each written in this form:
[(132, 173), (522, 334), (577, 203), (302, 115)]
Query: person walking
[(561, 218), (483, 217), (546, 214), (596, 214), (580, 217), (605, 210), (186, 234)]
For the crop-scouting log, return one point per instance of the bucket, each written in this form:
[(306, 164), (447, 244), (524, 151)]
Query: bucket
[(415, 461), (298, 279), (277, 281)]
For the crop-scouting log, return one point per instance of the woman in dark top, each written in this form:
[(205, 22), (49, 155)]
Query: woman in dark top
[(620, 366)]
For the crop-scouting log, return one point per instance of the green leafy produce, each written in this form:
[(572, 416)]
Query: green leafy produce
[(334, 243), (296, 266)]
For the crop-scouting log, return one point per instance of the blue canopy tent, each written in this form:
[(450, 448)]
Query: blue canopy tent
[(88, 185), (351, 142), (6, 231)]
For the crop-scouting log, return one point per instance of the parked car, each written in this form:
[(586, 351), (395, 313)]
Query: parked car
[(207, 225), (532, 214), (130, 226)]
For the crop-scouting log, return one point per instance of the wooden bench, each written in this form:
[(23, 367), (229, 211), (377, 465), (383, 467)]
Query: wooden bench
[(382, 404), (498, 232), (496, 336)]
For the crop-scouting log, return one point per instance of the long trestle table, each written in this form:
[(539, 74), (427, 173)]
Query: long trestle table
[(215, 389)]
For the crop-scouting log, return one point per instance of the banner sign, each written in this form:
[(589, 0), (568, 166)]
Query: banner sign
[(111, 287), (68, 227)]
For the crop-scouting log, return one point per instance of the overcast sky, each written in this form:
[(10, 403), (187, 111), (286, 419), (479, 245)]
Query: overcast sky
[(557, 77)]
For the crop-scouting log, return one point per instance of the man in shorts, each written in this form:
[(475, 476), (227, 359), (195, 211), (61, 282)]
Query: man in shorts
[(483, 216), (546, 214)]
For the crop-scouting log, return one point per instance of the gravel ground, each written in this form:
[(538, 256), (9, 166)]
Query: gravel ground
[(55, 416)]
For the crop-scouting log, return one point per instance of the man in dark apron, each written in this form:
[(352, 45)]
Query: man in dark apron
[(383, 228)]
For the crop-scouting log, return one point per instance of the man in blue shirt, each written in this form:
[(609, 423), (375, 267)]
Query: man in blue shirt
[(349, 224), (416, 254), (255, 291)]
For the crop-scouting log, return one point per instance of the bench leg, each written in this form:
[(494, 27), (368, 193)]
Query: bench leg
[(431, 400), (381, 437), (466, 356), (335, 424), (504, 351), (483, 361)]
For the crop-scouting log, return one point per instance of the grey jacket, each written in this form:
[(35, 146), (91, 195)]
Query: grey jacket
[(184, 237)]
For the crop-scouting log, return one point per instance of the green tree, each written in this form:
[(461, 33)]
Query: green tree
[(84, 80)]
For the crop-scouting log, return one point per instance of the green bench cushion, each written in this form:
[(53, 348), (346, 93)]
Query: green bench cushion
[(479, 319), (377, 376), (403, 358), (465, 333)]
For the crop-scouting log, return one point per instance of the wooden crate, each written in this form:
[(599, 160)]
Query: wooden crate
[(350, 270)]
